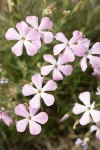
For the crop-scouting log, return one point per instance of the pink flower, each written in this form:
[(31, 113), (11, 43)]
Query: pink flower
[(93, 60), (26, 36), (39, 91), (56, 66), (83, 143), (98, 91), (88, 109), (5, 117), (45, 24), (97, 129), (31, 118), (71, 48)]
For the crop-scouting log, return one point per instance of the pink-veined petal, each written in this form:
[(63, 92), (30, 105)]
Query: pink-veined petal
[(50, 86), (95, 48), (83, 63), (35, 101), (21, 125), (66, 69), (49, 58), (28, 90), (31, 49), (12, 34), (61, 37), (6, 118), (37, 81), (37, 43), (48, 99), (85, 98), (45, 24), (94, 61), (78, 108), (17, 49), (45, 70), (58, 48), (33, 35), (95, 115), (33, 111), (57, 75), (41, 118), (77, 35), (33, 21), (21, 110), (85, 119), (23, 28), (79, 49), (34, 127), (47, 37), (68, 55)]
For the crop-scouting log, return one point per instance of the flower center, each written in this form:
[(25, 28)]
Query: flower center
[(23, 38), (39, 91), (89, 108), (29, 117), (56, 66)]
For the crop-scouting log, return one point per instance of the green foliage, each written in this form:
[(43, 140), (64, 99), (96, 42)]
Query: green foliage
[(67, 16)]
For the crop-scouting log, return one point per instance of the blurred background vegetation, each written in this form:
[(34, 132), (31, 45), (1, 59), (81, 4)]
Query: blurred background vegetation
[(67, 16)]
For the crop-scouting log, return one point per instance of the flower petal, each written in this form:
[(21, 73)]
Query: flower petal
[(33, 35), (61, 37), (93, 128), (79, 49), (48, 99), (58, 48), (85, 98), (78, 108), (95, 48), (50, 86), (33, 21), (34, 127), (66, 69), (6, 118), (33, 111), (95, 115), (45, 24), (17, 49), (28, 90), (31, 49), (37, 43), (37, 81), (98, 134), (85, 119), (47, 37), (68, 55), (41, 118), (57, 75), (35, 101), (49, 58), (94, 61), (21, 110), (83, 63), (45, 70), (77, 35), (23, 28), (12, 34), (21, 125)]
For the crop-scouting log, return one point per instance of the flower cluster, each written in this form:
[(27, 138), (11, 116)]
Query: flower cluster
[(31, 35)]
